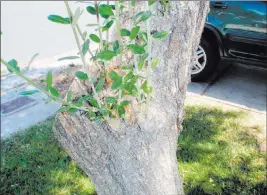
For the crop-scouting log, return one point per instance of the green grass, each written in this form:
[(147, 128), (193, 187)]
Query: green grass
[(216, 156), (33, 163)]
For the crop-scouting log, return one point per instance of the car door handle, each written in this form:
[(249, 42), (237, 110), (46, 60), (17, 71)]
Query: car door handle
[(219, 4)]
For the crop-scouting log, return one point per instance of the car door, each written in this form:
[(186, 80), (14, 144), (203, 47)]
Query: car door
[(244, 27)]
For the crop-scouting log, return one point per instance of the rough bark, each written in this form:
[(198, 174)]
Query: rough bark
[(140, 158)]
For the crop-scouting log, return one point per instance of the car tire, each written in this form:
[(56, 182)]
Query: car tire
[(212, 58)]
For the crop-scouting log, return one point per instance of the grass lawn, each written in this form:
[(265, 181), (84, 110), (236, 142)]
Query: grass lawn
[(219, 156), (216, 156)]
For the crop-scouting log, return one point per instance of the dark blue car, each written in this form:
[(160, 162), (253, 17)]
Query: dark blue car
[(234, 30)]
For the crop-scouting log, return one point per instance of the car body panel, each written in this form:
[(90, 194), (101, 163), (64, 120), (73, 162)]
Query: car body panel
[(240, 28)]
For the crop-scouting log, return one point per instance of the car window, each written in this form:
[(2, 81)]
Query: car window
[(242, 15)]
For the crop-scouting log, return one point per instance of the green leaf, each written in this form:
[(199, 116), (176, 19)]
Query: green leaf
[(136, 49), (49, 80), (108, 25), (76, 16), (150, 2), (111, 100), (142, 61), (97, 118), (116, 46), (106, 45), (105, 11), (113, 75), (143, 36), (84, 35), (134, 32), (142, 16), (79, 103), (146, 15), (62, 109), (81, 75), (58, 19), (72, 110), (14, 64), (106, 55), (141, 64), (68, 58), (91, 114), (85, 47), (155, 62), (100, 85), (146, 88), (124, 32), (134, 79), (138, 15), (127, 67), (125, 103), (144, 56), (122, 91), (91, 10), (133, 2), (69, 94), (88, 97), (28, 92), (116, 84), (54, 91), (121, 110), (144, 84), (103, 111), (128, 76), (131, 88), (30, 62), (94, 38), (129, 84), (90, 25), (160, 35), (122, 7), (93, 102)]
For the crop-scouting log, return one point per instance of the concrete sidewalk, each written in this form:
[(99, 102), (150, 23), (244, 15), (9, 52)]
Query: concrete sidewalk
[(24, 112), (241, 86), (20, 112)]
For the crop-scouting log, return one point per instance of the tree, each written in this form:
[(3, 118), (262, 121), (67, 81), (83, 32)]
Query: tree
[(140, 157), (120, 120)]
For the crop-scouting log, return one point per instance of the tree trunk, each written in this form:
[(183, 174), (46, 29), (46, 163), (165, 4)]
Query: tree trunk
[(140, 158)]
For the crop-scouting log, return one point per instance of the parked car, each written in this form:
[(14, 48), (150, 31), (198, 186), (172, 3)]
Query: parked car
[(235, 31)]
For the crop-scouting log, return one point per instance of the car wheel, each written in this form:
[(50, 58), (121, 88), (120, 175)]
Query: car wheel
[(206, 60)]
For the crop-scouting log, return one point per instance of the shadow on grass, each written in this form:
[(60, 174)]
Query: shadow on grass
[(33, 163), (218, 156)]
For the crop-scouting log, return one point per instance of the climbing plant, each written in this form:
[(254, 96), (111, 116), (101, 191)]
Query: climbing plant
[(107, 94)]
